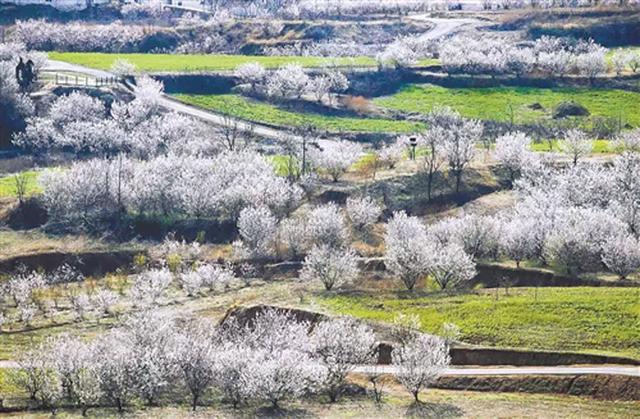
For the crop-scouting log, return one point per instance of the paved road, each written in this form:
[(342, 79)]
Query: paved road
[(220, 120), (500, 370), (54, 65)]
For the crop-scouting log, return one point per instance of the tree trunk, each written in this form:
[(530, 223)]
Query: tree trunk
[(429, 185), (333, 395)]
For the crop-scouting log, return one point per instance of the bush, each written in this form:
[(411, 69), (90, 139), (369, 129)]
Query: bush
[(566, 109)]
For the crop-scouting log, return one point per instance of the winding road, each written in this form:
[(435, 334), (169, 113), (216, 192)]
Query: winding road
[(441, 27), (172, 104)]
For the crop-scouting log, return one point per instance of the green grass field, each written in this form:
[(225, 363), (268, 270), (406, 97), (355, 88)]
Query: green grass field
[(198, 62), (599, 320), (501, 103), (599, 146), (8, 184), (252, 110)]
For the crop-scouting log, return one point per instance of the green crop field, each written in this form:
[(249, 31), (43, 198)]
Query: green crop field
[(601, 320), (252, 110), (8, 184), (198, 62), (599, 146), (503, 103)]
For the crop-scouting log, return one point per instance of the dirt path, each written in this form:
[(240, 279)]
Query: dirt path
[(443, 26)]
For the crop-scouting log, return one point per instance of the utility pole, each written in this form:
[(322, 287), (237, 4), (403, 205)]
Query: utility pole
[(413, 142)]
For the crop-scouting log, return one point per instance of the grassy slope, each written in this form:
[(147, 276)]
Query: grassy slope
[(20, 243), (494, 103), (252, 110), (603, 320), (198, 62)]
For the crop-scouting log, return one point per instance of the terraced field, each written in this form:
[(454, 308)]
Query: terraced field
[(522, 104), (252, 110), (198, 62)]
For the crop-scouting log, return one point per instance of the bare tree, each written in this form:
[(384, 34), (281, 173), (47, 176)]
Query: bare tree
[(232, 133), (20, 183)]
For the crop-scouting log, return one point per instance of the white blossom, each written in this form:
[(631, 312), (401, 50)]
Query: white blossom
[(621, 254), (517, 240), (336, 158), (576, 145), (282, 374), (420, 362), (123, 68), (193, 353), (292, 233), (451, 267), (362, 212), (288, 80), (512, 153), (258, 229), (340, 345), (151, 286), (329, 265), (82, 305), (191, 283), (251, 73), (104, 300), (326, 225), (408, 250)]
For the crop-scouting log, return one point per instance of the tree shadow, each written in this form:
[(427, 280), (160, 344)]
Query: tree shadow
[(280, 412), (433, 410)]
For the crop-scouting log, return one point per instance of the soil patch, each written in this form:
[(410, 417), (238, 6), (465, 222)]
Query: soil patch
[(606, 387), (89, 263)]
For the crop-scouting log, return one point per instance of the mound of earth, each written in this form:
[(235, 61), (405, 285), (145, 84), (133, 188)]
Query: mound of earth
[(567, 109)]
